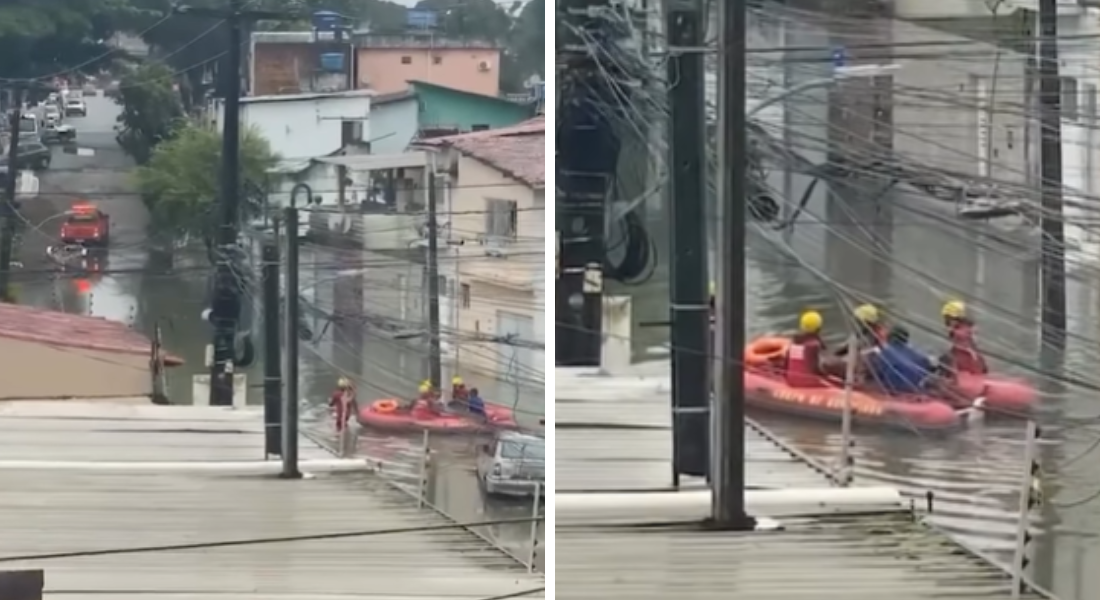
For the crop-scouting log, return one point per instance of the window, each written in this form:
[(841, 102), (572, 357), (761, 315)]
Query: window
[(465, 295), (437, 60), (1069, 99), (534, 450), (479, 128), (406, 60), (500, 219)]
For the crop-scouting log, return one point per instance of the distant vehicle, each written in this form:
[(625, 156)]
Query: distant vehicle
[(76, 108), (28, 126), (33, 154), (514, 464), (55, 133), (86, 225)]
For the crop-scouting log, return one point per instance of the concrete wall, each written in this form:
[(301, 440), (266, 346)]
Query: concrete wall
[(292, 68), (37, 370), (394, 125), (304, 128), (385, 70)]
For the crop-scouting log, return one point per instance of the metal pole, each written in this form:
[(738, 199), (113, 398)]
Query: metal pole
[(688, 302), (536, 505), (226, 307), (7, 232), (290, 398), (1053, 288), (425, 465), (1027, 489), (273, 347), (435, 349), (728, 416), (846, 420)]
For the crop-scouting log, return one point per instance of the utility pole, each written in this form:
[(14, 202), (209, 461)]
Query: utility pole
[(435, 348), (226, 307), (688, 302), (7, 229), (290, 328), (1053, 245), (728, 415), (588, 153), (273, 347)]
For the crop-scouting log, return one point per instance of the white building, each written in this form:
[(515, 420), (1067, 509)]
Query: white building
[(495, 226)]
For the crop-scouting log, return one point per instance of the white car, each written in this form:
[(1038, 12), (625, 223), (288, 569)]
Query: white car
[(514, 464), (76, 108)]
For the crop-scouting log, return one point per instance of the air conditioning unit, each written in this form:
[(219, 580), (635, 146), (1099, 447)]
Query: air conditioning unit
[(484, 66)]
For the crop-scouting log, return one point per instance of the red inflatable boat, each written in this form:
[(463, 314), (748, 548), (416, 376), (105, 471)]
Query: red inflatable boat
[(770, 392), (388, 415), (1003, 393)]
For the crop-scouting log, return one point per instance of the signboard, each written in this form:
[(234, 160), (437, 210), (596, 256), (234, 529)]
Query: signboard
[(422, 19)]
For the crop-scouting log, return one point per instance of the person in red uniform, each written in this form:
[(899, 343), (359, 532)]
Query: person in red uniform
[(963, 356), (872, 333), (804, 356), (427, 399), (459, 393), (343, 403)]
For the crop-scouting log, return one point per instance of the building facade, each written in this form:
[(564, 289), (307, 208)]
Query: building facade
[(495, 228), (386, 63)]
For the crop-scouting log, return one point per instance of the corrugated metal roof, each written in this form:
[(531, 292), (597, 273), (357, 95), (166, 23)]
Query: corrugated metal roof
[(52, 511), (615, 433), (869, 557)]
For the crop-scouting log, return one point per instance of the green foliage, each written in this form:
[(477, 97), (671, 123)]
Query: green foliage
[(179, 185), (42, 37), (151, 110)]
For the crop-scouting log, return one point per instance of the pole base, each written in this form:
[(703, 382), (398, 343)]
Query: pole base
[(739, 523)]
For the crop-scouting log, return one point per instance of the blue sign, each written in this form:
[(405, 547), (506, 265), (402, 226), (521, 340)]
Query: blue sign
[(840, 57), (421, 19)]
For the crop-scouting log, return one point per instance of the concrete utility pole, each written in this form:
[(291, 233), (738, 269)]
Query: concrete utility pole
[(273, 347), (587, 153), (7, 228), (226, 307), (1052, 225), (688, 296), (293, 313), (435, 340), (728, 416)]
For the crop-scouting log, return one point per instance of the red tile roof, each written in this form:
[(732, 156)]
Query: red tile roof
[(73, 332), (519, 151)]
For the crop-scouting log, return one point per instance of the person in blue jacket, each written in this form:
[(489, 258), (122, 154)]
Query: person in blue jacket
[(899, 367)]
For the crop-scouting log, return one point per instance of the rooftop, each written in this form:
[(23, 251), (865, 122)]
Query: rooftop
[(614, 435), (79, 478), (66, 330), (518, 151), (308, 96)]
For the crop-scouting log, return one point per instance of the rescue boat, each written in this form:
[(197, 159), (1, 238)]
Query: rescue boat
[(389, 415), (766, 389), (1000, 394)]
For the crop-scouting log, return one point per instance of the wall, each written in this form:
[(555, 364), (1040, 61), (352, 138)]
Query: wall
[(291, 68), (496, 283), (381, 69), (934, 126), (394, 125), (304, 128), (1080, 156), (443, 107), (33, 369)]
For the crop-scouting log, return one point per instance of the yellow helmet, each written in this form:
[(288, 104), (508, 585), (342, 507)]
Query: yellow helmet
[(866, 313), (954, 309), (425, 388), (810, 322), (343, 382), (456, 380)]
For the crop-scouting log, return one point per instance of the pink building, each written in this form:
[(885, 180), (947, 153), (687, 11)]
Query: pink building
[(386, 63)]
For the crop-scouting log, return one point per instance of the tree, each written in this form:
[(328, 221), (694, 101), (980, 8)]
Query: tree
[(180, 183), (151, 110), (39, 39)]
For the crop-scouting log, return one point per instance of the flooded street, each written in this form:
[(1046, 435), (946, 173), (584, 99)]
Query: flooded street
[(908, 253), (133, 288)]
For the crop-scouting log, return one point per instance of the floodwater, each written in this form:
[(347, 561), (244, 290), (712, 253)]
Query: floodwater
[(909, 253), (135, 288)]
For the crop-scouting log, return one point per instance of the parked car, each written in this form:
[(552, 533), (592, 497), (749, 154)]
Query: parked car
[(513, 464), (76, 108), (33, 154), (58, 134)]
